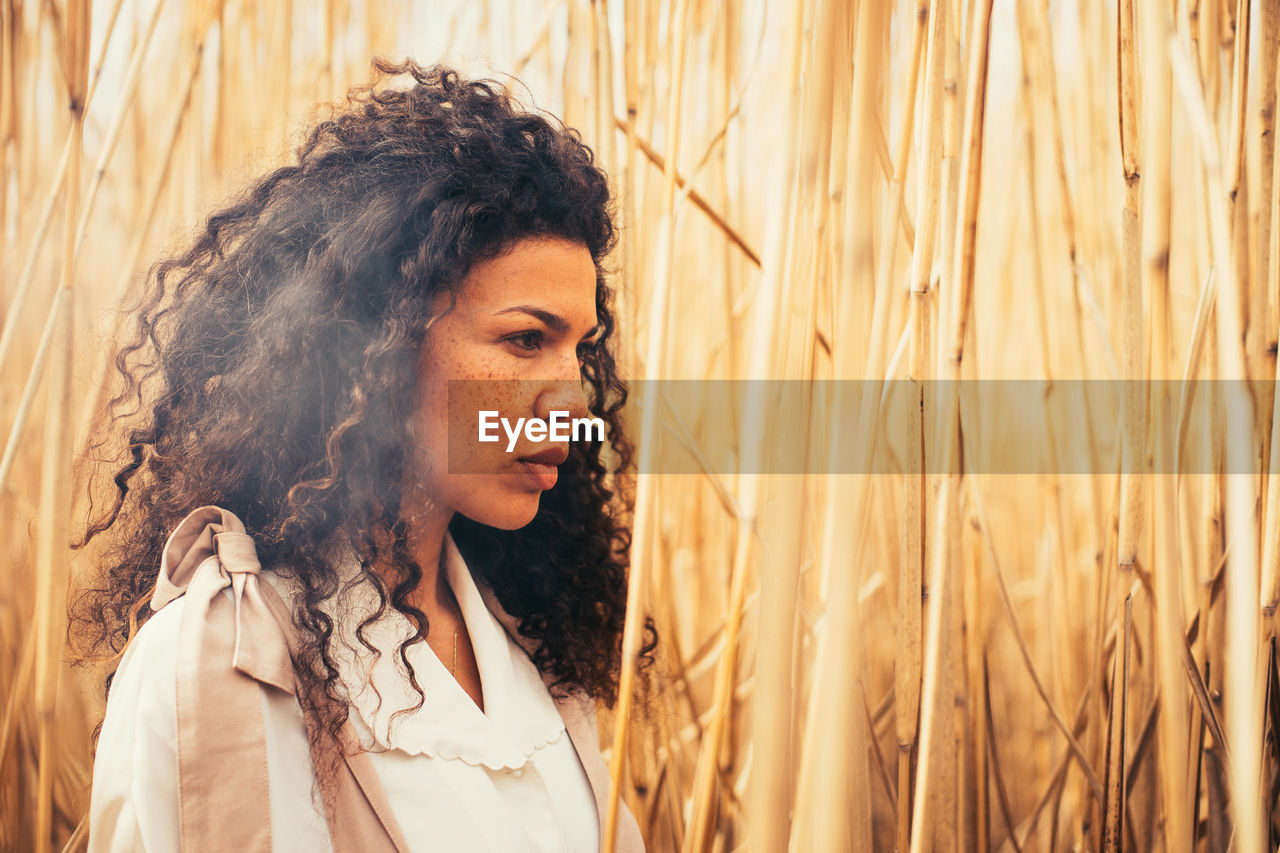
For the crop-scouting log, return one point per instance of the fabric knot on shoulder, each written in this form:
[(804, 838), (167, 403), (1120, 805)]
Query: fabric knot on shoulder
[(209, 552)]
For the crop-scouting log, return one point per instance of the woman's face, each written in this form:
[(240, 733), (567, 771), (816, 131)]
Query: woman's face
[(513, 338)]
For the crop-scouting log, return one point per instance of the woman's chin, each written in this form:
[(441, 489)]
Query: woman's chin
[(511, 513)]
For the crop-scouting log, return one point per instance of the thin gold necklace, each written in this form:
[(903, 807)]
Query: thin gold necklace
[(453, 670), (442, 572)]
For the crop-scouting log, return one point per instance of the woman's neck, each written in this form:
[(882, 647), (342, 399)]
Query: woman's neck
[(426, 533)]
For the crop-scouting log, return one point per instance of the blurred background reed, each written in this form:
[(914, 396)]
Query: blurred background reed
[(841, 189)]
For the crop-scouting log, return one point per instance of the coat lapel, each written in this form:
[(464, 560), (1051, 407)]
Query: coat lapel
[(362, 818)]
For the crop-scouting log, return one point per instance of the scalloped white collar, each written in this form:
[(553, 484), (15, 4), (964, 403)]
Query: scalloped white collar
[(519, 717)]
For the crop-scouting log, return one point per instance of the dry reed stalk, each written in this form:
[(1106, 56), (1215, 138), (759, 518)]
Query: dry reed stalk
[(1270, 585), (947, 791), (699, 832), (1203, 31), (629, 203), (1201, 333), (955, 320), (842, 794), (1264, 314), (729, 169), (1268, 280), (977, 800), (699, 201), (1133, 420), (886, 166), (30, 389), (1210, 557), (1243, 696), (1104, 630), (98, 376), (282, 24), (27, 276), (36, 242), (651, 15), (78, 837), (857, 266), (1234, 163), (807, 277), (1205, 347), (107, 32), (1002, 790), (783, 351), (8, 94), (1189, 530), (1010, 612), (1057, 784), (952, 120), (1238, 204), (1156, 107), (1057, 779), (602, 85), (17, 691), (655, 352), (36, 374), (576, 65), (223, 114), (1033, 43), (642, 109), (55, 486), (907, 661), (834, 789), (1115, 809), (1273, 276), (838, 191), (129, 91), (1048, 92), (539, 31)]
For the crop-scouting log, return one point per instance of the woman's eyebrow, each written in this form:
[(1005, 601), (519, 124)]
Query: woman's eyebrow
[(555, 322)]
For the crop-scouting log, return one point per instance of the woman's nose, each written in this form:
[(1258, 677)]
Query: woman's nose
[(563, 395)]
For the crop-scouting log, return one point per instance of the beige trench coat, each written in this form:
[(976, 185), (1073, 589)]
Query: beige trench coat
[(227, 645)]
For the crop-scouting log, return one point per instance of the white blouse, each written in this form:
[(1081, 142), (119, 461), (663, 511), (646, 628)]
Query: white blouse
[(506, 779)]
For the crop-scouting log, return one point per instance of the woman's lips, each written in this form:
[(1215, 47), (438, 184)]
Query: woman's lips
[(543, 466), (542, 474)]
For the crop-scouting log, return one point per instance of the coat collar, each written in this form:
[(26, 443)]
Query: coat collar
[(519, 715)]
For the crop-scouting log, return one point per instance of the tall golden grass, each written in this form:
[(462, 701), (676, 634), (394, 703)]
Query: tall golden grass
[(939, 658)]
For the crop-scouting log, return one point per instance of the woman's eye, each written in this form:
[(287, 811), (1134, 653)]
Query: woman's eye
[(530, 340)]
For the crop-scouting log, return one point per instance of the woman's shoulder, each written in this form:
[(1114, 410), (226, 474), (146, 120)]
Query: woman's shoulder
[(148, 667), (133, 800), (138, 737), (150, 660), (164, 623)]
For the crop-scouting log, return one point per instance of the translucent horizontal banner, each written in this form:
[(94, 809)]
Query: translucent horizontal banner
[(866, 427)]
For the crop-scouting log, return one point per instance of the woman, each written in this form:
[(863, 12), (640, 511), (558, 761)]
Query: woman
[(339, 620)]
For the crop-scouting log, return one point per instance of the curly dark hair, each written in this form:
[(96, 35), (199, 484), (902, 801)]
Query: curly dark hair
[(274, 366)]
